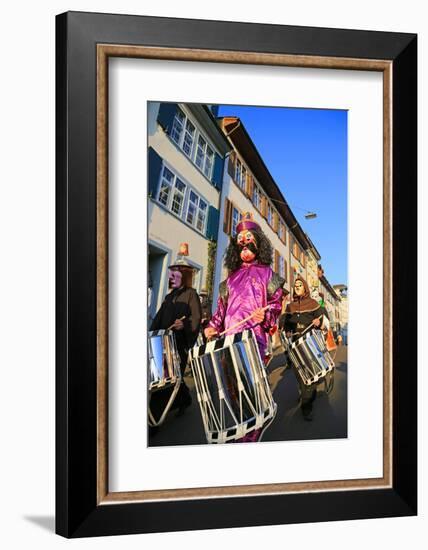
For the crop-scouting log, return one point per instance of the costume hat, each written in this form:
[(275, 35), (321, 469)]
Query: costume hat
[(247, 222)]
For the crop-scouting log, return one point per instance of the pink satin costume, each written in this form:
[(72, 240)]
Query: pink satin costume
[(247, 290)]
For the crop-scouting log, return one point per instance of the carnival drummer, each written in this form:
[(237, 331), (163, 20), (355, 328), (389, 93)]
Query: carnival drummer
[(300, 313), (251, 296), (180, 312)]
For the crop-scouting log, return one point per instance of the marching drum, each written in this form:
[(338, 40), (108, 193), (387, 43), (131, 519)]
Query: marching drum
[(232, 387), (163, 374), (309, 356)]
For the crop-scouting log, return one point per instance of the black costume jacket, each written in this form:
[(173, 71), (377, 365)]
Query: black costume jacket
[(299, 320), (178, 303)]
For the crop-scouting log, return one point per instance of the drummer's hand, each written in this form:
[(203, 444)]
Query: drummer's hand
[(178, 325), (288, 333), (258, 315), (316, 322), (210, 332)]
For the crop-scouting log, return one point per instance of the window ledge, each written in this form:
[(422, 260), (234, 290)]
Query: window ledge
[(163, 207)]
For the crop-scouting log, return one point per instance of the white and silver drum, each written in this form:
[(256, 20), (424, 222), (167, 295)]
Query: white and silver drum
[(309, 356), (163, 373), (232, 387)]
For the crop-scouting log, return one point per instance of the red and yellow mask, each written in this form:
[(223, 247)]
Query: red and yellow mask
[(248, 245)]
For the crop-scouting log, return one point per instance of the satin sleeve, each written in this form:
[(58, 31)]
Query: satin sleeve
[(272, 314), (217, 320)]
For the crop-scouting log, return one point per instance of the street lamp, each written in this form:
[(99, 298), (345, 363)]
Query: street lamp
[(310, 215)]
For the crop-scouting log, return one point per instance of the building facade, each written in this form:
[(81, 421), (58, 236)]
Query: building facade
[(204, 173), (329, 295), (186, 152), (342, 293), (248, 186), (313, 258)]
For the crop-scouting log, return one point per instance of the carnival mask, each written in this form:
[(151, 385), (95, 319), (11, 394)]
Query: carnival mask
[(248, 244), (175, 278), (299, 288)]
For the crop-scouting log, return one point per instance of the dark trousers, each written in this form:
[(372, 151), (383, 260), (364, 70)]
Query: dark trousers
[(183, 396), (307, 393)]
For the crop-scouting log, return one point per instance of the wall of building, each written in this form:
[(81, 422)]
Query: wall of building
[(242, 202), (166, 230), (312, 271)]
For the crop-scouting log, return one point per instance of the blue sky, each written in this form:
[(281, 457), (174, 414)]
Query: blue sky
[(305, 150)]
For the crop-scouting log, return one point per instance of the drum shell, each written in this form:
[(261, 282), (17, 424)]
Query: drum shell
[(232, 387), (164, 374), (164, 360), (310, 357)]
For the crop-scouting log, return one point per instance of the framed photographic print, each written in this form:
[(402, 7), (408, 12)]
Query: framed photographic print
[(236, 237)]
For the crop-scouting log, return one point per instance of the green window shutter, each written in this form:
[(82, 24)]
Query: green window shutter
[(154, 169), (166, 115), (212, 223), (217, 178)]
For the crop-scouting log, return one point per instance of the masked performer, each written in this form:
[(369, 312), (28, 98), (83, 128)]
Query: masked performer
[(249, 288), (301, 312), (182, 301)]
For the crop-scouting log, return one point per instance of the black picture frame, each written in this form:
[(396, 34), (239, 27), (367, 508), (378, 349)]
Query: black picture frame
[(78, 512)]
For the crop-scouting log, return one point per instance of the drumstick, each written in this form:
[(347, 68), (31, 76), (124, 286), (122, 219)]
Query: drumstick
[(241, 322), (307, 328), (181, 319)]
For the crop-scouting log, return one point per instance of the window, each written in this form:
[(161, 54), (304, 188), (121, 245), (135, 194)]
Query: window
[(192, 208), (202, 214), (256, 197), (209, 161), (178, 197), (196, 211), (270, 212), (200, 152), (174, 193), (243, 178), (297, 252), (281, 231), (204, 159), (177, 126), (166, 185), (238, 169), (185, 135), (189, 136), (281, 267), (236, 216), (240, 175)]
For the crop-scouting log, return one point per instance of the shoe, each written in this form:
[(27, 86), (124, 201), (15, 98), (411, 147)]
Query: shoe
[(308, 416), (153, 430), (307, 411), (183, 406)]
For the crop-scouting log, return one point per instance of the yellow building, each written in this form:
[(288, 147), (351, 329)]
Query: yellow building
[(248, 186), (313, 258)]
